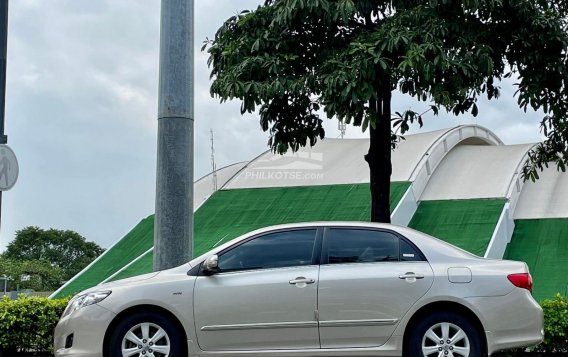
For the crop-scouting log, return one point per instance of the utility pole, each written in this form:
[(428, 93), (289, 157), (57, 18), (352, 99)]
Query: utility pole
[(173, 230), (3, 58)]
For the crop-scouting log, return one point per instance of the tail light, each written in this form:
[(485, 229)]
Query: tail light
[(523, 281)]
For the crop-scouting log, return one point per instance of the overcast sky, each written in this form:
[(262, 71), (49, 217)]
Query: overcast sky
[(81, 113)]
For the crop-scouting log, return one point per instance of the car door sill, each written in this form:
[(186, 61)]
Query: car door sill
[(343, 323)]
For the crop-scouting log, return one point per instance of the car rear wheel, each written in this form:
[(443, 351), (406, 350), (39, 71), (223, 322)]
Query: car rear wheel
[(146, 335), (444, 335)]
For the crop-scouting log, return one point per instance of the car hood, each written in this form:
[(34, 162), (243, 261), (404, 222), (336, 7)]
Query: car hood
[(122, 283), (130, 281)]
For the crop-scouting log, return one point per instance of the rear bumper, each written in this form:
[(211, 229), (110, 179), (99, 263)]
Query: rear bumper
[(511, 321)]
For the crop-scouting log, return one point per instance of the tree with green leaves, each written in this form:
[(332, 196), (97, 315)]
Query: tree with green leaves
[(289, 58), (37, 275), (63, 249)]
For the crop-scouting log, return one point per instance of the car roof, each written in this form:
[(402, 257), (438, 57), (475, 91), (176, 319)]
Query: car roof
[(430, 246), (329, 224)]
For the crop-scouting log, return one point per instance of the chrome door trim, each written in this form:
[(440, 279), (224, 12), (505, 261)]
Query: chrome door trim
[(342, 323), (260, 326)]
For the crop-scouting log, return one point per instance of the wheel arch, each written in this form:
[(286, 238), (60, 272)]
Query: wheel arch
[(445, 306), (143, 308)]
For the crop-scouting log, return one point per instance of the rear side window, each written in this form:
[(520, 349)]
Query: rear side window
[(408, 253), (273, 250), (361, 246), (351, 245)]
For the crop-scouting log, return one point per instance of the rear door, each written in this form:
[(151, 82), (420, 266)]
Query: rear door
[(369, 279)]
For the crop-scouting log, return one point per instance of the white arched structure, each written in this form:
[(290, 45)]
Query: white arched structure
[(475, 169), (341, 161), (330, 162), (469, 162), (461, 135), (506, 224), (431, 158)]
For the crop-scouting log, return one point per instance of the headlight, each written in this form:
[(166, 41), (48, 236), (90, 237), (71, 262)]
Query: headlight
[(85, 300)]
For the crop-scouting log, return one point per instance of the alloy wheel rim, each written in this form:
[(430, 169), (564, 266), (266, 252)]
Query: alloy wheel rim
[(445, 339), (146, 340)]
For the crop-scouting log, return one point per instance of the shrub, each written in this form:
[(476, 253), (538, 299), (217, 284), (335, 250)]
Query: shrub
[(27, 323), (555, 325)]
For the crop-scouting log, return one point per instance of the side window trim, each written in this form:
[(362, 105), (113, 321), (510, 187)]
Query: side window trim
[(325, 246), (315, 253), (324, 256)]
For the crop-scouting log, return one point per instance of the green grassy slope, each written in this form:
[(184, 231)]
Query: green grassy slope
[(542, 244), (468, 224)]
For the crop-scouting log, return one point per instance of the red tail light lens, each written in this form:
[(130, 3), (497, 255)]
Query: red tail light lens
[(523, 280)]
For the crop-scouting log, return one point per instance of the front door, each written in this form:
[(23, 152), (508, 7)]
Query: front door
[(264, 297), (369, 279)]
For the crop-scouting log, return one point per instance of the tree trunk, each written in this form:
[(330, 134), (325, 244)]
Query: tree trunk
[(379, 156)]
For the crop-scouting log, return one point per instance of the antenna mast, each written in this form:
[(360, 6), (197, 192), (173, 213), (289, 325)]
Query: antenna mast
[(213, 165)]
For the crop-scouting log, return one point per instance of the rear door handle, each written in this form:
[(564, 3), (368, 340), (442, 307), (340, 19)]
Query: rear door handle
[(411, 275), (301, 280)]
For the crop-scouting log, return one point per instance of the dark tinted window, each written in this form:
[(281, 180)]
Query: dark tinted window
[(360, 246), (408, 253), (274, 250)]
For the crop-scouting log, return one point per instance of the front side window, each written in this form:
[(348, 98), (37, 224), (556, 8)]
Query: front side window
[(361, 246), (273, 250)]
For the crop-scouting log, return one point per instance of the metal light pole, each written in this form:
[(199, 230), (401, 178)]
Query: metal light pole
[(3, 56), (173, 230)]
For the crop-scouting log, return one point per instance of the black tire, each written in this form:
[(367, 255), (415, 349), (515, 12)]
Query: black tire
[(174, 337), (416, 338)]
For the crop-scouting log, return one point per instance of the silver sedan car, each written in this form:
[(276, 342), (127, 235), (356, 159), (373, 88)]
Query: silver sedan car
[(312, 289)]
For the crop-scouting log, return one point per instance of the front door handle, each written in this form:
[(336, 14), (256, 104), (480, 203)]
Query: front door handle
[(301, 280), (411, 275)]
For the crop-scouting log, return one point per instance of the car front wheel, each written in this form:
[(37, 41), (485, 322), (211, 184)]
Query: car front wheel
[(444, 335), (146, 335)]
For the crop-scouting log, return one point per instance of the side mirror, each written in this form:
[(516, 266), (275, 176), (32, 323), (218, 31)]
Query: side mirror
[(210, 265)]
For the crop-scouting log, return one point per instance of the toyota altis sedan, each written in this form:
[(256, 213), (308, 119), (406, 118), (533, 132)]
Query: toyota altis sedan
[(312, 289)]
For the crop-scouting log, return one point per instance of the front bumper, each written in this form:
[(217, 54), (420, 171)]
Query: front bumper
[(88, 326), (511, 321)]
